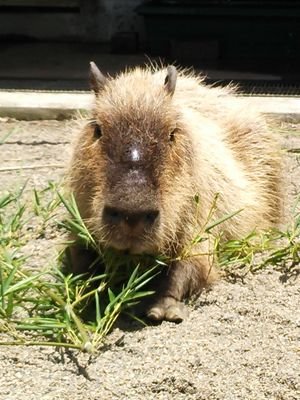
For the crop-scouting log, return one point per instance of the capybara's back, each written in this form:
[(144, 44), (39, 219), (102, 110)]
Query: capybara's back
[(157, 141)]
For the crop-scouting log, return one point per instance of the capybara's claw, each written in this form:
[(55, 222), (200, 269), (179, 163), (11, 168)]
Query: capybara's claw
[(167, 309)]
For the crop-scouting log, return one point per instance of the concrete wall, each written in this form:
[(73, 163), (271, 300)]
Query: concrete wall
[(125, 18), (90, 20), (104, 18)]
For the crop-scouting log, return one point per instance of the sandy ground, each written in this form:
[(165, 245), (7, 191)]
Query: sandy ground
[(241, 340)]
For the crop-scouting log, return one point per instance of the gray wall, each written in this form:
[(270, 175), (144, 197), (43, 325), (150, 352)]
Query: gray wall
[(104, 18), (98, 20)]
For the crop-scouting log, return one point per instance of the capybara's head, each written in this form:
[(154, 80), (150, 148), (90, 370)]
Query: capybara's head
[(133, 162)]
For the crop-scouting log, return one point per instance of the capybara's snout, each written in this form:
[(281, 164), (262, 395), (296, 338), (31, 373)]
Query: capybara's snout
[(130, 229), (135, 220)]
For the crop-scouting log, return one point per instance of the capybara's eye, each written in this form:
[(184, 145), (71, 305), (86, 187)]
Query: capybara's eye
[(172, 135), (97, 131)]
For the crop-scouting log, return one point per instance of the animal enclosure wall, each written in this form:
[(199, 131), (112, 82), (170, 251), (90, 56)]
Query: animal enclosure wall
[(84, 20)]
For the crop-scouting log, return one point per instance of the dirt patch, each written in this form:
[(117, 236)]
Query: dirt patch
[(241, 340)]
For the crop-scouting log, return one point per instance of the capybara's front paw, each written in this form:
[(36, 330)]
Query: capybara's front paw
[(169, 309)]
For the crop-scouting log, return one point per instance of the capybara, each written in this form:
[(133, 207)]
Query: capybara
[(158, 139)]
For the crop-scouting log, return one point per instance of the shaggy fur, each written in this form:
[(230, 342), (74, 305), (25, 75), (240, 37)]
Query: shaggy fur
[(198, 140)]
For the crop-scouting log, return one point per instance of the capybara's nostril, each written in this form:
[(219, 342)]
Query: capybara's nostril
[(150, 217), (144, 219), (112, 216)]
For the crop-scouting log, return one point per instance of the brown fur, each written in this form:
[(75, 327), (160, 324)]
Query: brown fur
[(199, 140)]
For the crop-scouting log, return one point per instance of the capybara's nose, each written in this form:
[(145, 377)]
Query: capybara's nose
[(115, 216)]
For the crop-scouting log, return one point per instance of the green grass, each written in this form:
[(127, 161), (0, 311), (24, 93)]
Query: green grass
[(49, 306), (46, 306), (276, 248), (4, 138)]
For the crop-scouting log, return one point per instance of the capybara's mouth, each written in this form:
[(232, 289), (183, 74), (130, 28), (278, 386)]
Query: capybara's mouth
[(134, 246), (129, 240)]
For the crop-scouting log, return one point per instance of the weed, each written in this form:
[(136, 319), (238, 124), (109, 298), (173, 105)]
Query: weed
[(7, 135), (47, 307), (50, 307)]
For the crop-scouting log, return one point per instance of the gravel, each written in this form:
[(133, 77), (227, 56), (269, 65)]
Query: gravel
[(240, 341)]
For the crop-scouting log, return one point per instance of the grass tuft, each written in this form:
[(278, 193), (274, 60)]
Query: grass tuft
[(47, 306)]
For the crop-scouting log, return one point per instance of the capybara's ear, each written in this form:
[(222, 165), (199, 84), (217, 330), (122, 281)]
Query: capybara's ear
[(170, 81), (97, 79)]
